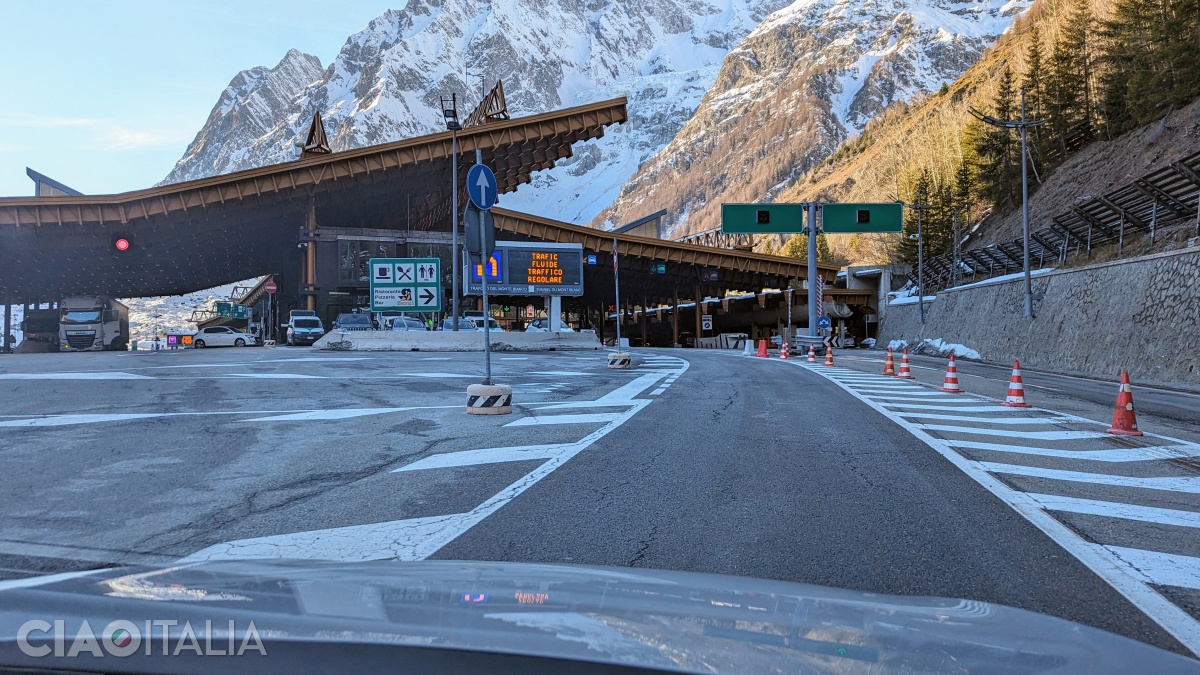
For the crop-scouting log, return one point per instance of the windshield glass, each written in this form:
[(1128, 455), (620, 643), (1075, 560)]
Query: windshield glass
[(81, 316), (306, 323), (354, 318)]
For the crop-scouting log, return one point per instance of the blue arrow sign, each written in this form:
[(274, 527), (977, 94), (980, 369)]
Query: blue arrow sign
[(824, 322), (481, 186)]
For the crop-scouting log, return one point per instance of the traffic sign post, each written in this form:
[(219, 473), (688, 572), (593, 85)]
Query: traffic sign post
[(481, 187), (406, 284), (706, 322), (824, 323), (270, 287)]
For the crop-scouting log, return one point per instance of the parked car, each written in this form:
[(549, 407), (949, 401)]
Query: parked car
[(543, 326), (348, 322), (303, 330), (493, 325), (407, 323), (463, 324), (221, 336)]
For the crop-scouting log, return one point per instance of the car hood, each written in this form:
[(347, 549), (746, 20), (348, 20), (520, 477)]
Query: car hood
[(673, 621)]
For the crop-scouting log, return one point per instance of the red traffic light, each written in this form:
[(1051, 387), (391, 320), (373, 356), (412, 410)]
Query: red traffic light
[(122, 244)]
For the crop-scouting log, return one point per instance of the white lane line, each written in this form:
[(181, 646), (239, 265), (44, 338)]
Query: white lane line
[(986, 420), (1164, 569), (1100, 455), (64, 420), (277, 376), (1095, 507), (658, 391), (1188, 484), (409, 539), (521, 453), (74, 376), (974, 408), (1067, 435), (343, 413), (562, 373), (543, 420), (1104, 562), (876, 392)]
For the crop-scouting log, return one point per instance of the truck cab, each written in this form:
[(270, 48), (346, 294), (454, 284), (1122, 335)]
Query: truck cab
[(92, 323)]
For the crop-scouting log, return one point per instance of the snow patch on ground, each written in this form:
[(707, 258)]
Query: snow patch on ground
[(910, 300), (939, 347)]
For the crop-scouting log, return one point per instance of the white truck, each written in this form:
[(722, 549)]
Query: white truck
[(92, 323)]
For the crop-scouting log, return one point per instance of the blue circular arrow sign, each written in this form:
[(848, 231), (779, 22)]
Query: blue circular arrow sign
[(481, 187), (824, 322)]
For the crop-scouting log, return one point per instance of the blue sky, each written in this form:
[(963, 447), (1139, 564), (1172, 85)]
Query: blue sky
[(104, 96)]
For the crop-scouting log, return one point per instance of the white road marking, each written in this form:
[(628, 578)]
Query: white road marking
[(1094, 507), (560, 373), (413, 538), (1104, 561), (986, 420), (1188, 484), (522, 453), (277, 376), (74, 376), (876, 392), (658, 391), (543, 420), (64, 420), (622, 395), (973, 408), (343, 413), (1066, 435), (1165, 569), (1102, 455)]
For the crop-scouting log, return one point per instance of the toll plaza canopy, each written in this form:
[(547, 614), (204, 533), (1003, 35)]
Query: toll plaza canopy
[(312, 224)]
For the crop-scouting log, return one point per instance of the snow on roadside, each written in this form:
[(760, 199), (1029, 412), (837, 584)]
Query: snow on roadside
[(1003, 278), (939, 347), (910, 300)]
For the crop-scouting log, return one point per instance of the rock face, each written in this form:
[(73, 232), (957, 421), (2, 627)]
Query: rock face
[(387, 81), (802, 82)]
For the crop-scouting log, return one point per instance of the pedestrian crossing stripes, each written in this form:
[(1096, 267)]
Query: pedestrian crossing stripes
[(1036, 460)]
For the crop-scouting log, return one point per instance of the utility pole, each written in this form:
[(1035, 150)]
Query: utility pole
[(957, 250), (814, 277), (920, 237), (450, 112), (1023, 125)]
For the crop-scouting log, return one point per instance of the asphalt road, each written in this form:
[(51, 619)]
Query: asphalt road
[(695, 460)]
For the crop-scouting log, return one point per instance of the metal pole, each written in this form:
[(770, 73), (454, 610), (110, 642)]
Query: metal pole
[(617, 292), (454, 229), (920, 266), (789, 305), (813, 278), (487, 314), (7, 324), (954, 276), (1025, 213)]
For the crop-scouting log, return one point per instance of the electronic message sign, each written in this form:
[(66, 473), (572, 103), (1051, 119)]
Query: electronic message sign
[(530, 268)]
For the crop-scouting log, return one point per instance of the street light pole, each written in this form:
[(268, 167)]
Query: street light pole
[(1025, 212), (450, 111), (1023, 125), (920, 237)]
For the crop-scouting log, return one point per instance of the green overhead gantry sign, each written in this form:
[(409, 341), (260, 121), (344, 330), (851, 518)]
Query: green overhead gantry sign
[(853, 218), (762, 218)]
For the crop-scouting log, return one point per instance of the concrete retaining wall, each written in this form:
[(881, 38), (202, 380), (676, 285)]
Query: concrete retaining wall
[(449, 341), (1141, 314)]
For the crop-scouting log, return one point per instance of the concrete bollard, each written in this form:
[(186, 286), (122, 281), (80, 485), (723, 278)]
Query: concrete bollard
[(489, 399), (619, 360)]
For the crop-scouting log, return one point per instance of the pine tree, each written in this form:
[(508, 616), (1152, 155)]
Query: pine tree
[(1032, 83), (999, 154)]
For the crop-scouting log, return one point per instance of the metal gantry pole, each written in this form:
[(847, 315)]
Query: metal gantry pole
[(813, 276), (920, 266), (454, 230), (1025, 213), (617, 292)]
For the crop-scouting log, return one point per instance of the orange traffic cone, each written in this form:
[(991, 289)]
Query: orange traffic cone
[(812, 353), (762, 349), (829, 355), (1016, 389), (950, 384), (783, 351), (905, 373), (889, 366), (1124, 419)]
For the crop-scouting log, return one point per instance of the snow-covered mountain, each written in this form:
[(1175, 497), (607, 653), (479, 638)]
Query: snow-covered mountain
[(386, 82), (807, 78)]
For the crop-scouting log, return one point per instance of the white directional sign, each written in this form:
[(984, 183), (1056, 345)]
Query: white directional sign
[(706, 321), (406, 284)]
